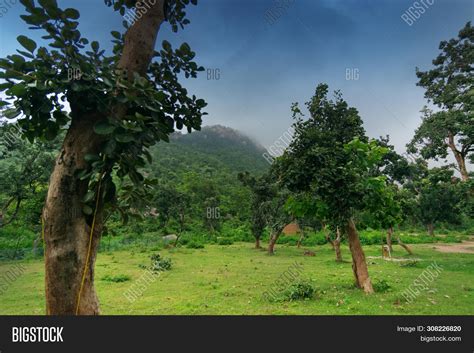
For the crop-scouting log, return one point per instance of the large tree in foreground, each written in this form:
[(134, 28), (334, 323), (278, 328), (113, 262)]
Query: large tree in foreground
[(120, 105), (331, 158), (449, 85)]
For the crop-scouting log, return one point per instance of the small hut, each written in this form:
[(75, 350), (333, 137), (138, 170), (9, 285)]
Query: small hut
[(291, 229)]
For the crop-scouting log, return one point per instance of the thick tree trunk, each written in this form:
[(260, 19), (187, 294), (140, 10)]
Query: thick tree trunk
[(389, 239), (430, 227), (460, 158), (359, 266), (66, 229)]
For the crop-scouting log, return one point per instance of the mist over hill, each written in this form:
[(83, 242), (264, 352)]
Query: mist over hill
[(213, 148)]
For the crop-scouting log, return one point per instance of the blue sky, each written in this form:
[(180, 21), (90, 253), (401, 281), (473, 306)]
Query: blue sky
[(264, 66)]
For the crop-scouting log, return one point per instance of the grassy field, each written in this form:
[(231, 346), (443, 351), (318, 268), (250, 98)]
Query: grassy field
[(232, 279)]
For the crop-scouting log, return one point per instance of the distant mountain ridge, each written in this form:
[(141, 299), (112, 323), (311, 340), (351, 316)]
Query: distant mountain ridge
[(229, 147)]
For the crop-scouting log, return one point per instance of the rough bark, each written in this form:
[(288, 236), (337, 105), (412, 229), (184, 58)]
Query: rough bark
[(273, 239), (430, 227), (460, 158), (67, 229), (404, 246), (389, 239), (359, 266)]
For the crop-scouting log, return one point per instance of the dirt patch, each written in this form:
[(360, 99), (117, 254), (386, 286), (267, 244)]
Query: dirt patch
[(466, 247)]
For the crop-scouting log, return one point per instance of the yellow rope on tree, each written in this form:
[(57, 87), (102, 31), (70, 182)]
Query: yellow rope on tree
[(89, 248)]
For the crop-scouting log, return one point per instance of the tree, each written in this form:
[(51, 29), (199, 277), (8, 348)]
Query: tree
[(24, 172), (260, 193), (180, 210), (331, 158), (121, 105), (439, 198), (384, 208), (449, 85), (164, 202), (275, 214)]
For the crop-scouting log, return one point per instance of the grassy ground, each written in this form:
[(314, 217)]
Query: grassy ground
[(232, 280)]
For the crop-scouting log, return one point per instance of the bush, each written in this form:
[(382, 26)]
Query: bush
[(116, 279), (299, 290), (381, 286), (225, 241), (192, 244), (160, 264)]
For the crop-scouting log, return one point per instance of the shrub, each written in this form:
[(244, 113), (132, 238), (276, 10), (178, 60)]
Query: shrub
[(116, 279), (225, 241), (194, 245), (160, 264), (299, 290), (381, 286)]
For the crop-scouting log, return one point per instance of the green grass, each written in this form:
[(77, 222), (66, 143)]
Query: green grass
[(231, 279)]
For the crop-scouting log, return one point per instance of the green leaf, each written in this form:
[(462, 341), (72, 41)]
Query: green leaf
[(89, 197), (91, 157), (4, 86), (29, 4), (124, 138), (87, 210), (11, 113), (72, 13), (27, 43), (25, 54), (166, 45), (17, 90), (103, 128), (116, 34), (95, 46)]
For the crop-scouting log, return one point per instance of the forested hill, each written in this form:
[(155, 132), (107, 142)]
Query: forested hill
[(209, 150)]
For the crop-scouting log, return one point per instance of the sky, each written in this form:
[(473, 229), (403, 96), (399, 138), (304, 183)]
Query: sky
[(264, 60)]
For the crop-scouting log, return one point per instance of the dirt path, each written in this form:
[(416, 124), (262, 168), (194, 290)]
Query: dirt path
[(466, 247)]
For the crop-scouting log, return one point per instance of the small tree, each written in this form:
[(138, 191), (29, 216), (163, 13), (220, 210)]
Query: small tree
[(439, 198), (330, 158), (276, 217), (449, 85), (260, 193), (179, 211)]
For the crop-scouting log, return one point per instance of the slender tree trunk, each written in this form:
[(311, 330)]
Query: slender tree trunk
[(337, 250), (273, 239), (300, 240), (257, 243), (404, 246), (430, 227), (328, 236), (66, 229), (359, 266), (336, 244), (460, 158), (389, 239)]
